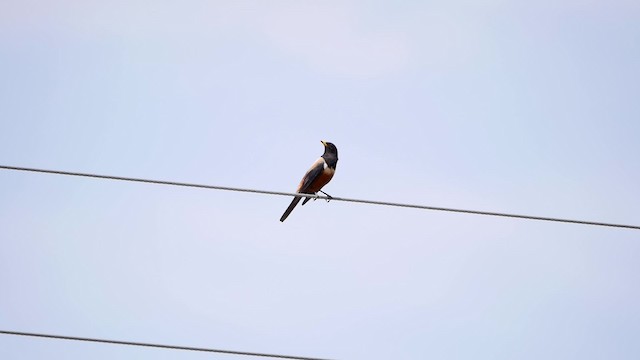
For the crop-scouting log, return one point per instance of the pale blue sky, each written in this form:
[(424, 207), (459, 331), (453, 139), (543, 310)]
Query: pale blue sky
[(523, 107)]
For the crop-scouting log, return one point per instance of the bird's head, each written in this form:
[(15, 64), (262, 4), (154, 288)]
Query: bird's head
[(329, 148), (330, 154)]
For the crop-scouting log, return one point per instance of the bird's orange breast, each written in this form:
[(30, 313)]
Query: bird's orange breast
[(322, 180)]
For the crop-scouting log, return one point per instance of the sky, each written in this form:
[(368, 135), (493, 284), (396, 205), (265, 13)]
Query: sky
[(507, 106)]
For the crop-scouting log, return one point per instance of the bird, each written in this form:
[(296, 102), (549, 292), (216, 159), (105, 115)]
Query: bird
[(316, 177)]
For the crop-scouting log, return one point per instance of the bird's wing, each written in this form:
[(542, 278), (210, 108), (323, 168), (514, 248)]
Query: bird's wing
[(312, 174)]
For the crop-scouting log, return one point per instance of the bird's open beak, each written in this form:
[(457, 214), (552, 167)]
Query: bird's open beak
[(324, 143)]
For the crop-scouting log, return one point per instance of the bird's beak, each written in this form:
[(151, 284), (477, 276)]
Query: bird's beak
[(324, 143)]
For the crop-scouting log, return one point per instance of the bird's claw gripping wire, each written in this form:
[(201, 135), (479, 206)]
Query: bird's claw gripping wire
[(329, 197)]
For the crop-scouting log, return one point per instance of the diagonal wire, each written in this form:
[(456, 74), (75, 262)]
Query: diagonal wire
[(161, 346), (372, 202)]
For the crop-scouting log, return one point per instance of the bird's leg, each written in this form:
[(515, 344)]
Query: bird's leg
[(329, 197)]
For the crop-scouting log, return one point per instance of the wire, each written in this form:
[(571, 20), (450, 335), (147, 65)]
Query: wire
[(372, 202), (161, 346)]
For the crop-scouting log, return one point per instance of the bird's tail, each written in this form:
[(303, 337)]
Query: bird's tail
[(293, 204)]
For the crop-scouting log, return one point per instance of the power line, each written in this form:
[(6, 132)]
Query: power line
[(161, 346), (372, 202)]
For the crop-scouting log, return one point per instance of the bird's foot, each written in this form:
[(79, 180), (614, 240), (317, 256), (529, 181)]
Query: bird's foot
[(329, 197)]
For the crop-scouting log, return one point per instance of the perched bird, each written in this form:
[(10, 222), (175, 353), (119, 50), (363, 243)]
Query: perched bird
[(316, 177)]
